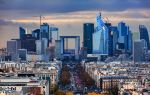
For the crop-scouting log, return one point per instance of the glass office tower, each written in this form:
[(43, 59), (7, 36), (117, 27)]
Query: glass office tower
[(144, 34), (87, 36), (45, 31), (22, 32), (100, 37)]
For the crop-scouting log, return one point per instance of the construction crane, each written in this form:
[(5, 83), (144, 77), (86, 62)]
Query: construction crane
[(40, 18)]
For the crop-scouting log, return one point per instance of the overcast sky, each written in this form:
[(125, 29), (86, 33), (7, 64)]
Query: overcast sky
[(69, 15)]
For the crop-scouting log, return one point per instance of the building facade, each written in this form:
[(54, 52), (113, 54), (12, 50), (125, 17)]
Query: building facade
[(22, 32), (144, 34), (12, 48), (54, 34), (139, 48), (115, 38), (45, 31), (36, 33), (125, 38), (58, 49), (87, 37), (100, 37), (28, 42), (22, 54)]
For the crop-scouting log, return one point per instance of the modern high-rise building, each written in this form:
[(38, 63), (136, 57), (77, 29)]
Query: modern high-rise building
[(115, 38), (45, 31), (41, 46), (36, 33), (18, 41), (110, 39), (28, 42), (54, 34), (100, 37), (58, 49), (122, 29), (144, 34), (139, 48), (22, 54), (12, 46), (130, 42), (44, 45), (87, 37), (125, 37), (22, 32), (12, 49)]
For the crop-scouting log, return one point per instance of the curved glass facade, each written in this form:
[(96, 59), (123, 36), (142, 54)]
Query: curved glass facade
[(100, 37)]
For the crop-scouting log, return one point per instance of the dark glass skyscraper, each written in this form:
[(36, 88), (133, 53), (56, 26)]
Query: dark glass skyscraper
[(144, 34), (45, 31), (12, 48), (22, 54), (87, 37), (36, 33), (28, 42), (122, 40), (125, 38), (22, 32), (110, 39), (115, 38)]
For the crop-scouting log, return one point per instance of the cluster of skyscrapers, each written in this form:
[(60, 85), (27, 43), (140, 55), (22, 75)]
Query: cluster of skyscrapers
[(105, 47), (141, 47), (103, 41), (36, 44), (108, 40)]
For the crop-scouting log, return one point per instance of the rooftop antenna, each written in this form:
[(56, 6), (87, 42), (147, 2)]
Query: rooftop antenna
[(40, 18)]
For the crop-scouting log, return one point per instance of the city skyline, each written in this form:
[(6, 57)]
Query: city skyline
[(69, 15), (74, 47)]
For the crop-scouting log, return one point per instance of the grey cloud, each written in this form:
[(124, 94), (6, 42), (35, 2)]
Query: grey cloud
[(61, 6), (11, 23), (4, 22)]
